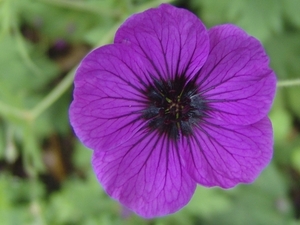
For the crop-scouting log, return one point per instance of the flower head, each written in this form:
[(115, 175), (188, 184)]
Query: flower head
[(170, 104)]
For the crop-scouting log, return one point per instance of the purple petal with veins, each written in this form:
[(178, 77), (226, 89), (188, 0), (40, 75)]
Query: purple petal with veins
[(170, 105)]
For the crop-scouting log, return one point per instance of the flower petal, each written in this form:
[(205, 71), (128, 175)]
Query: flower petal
[(108, 97), (236, 79), (173, 41), (219, 154), (145, 174)]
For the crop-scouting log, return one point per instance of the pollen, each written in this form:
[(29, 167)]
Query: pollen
[(174, 107)]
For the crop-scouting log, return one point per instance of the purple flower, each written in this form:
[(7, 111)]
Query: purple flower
[(169, 105)]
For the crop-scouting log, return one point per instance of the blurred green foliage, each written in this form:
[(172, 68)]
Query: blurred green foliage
[(46, 176)]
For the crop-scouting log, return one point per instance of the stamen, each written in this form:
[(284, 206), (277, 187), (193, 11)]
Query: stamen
[(168, 107)]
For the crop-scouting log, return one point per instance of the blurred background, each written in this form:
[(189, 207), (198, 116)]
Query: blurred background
[(45, 172)]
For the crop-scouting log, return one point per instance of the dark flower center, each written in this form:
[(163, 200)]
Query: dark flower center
[(174, 107)]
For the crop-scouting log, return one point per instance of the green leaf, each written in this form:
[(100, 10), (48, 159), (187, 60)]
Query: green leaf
[(207, 201), (296, 158), (291, 10), (259, 18), (281, 120), (214, 12), (2, 140), (16, 197), (292, 96), (284, 52), (81, 200), (69, 20), (17, 82), (263, 202), (82, 156)]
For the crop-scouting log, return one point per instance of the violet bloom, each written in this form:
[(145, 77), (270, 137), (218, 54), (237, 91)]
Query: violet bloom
[(169, 105)]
